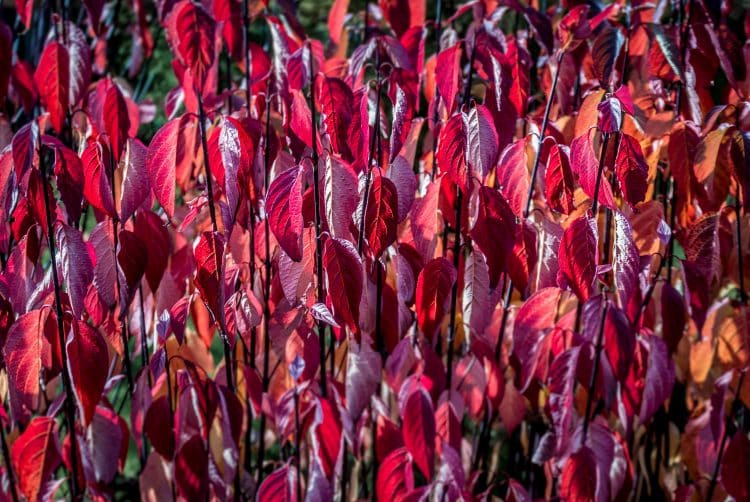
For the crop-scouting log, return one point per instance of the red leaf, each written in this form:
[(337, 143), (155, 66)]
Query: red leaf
[(534, 320), (284, 207), (579, 479), (336, 20), (481, 141), (25, 10), (558, 180), (209, 257), (578, 257), (74, 260), (448, 75), (659, 379), (610, 115), (631, 169), (24, 147), (279, 485), (88, 360), (132, 257), (467, 147), (381, 219), (116, 120), (327, 436), (97, 188), (24, 352), (494, 231), (335, 99), (513, 175), (433, 292), (69, 176), (35, 456), (363, 375), (395, 476), (135, 181), (735, 465), (344, 277), (151, 230), (419, 429), (191, 470), (158, 428), (168, 154), (194, 29), (107, 444), (586, 165), (52, 79), (341, 196)]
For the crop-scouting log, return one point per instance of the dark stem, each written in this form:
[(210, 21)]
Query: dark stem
[(740, 257), (318, 231), (724, 437), (246, 48), (379, 342), (8, 465), (144, 334), (454, 292), (171, 411), (595, 373), (373, 139), (266, 292), (672, 217), (599, 174), (545, 120), (123, 308), (530, 196), (504, 319), (212, 212), (298, 444), (67, 385)]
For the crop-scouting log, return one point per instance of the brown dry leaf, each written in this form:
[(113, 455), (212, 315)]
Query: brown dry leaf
[(588, 114), (702, 351), (732, 338), (645, 225)]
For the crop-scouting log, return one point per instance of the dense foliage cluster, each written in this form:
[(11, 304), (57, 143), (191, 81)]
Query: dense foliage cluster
[(450, 252)]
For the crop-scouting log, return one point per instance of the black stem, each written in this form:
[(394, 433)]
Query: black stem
[(740, 257), (599, 174), (266, 293), (69, 396), (672, 221), (375, 137), (123, 308), (724, 437), (545, 121), (454, 291), (595, 373), (318, 231), (171, 410), (8, 465), (246, 48), (297, 444), (212, 212)]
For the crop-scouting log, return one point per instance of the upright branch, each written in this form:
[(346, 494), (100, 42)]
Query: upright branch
[(595, 372), (457, 241), (8, 465), (123, 311), (212, 212), (67, 384), (374, 139), (743, 300), (266, 291), (318, 229), (529, 196)]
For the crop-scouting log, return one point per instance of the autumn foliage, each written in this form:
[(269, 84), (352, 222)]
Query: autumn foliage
[(447, 252)]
